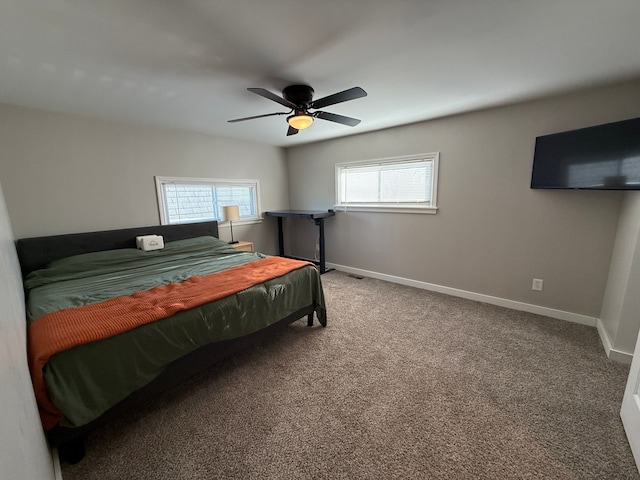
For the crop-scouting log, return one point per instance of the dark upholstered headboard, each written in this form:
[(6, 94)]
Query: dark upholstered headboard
[(36, 252)]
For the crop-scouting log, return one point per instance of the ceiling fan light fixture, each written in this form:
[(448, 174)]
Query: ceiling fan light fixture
[(300, 121)]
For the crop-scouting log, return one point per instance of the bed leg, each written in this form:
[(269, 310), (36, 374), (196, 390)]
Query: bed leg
[(310, 320), (72, 451)]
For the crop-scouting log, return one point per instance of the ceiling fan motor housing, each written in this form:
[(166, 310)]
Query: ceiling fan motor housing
[(301, 95)]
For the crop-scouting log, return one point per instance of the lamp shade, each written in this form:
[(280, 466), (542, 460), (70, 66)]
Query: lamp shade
[(300, 121), (231, 213)]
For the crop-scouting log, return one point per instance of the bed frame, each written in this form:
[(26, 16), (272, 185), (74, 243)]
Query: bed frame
[(35, 253)]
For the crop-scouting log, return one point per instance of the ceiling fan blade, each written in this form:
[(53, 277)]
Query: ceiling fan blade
[(292, 131), (351, 94), (332, 117), (256, 116), (272, 96)]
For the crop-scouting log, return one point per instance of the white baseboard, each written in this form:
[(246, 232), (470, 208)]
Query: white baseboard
[(57, 470), (616, 355)]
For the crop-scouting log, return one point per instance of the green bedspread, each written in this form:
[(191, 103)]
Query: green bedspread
[(87, 380)]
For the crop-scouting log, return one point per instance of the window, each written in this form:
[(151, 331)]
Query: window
[(185, 200), (400, 184)]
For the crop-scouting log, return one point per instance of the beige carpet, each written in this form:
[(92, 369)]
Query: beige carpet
[(402, 384)]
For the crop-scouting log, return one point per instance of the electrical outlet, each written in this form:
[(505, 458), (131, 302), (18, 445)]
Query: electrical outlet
[(537, 284)]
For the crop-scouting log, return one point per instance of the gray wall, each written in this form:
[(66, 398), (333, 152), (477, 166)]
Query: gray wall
[(621, 306), (24, 453), (64, 173), (492, 234)]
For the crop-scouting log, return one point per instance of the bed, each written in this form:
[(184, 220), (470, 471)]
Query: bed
[(95, 352)]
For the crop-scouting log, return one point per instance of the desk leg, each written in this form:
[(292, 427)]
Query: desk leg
[(280, 238), (320, 223)]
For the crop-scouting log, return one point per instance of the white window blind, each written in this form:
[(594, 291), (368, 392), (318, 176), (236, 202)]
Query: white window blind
[(407, 182)]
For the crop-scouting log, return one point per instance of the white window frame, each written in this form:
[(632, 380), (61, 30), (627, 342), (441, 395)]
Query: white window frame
[(162, 205), (431, 207)]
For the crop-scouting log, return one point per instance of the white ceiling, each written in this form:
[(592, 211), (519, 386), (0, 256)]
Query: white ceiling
[(187, 64)]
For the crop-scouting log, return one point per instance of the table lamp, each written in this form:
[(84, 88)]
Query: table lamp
[(231, 213)]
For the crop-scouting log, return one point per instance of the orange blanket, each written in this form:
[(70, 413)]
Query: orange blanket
[(62, 330)]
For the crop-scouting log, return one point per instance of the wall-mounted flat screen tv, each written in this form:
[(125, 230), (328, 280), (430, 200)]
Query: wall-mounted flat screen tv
[(604, 157)]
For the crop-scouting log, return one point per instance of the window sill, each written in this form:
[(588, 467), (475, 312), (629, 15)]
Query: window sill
[(379, 208), (225, 224)]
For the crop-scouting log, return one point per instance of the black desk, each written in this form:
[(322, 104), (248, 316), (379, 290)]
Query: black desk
[(317, 217)]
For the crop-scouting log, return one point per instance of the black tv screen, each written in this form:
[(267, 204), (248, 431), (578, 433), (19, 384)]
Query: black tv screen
[(604, 157)]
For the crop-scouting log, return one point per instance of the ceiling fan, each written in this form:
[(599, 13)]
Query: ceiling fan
[(299, 98)]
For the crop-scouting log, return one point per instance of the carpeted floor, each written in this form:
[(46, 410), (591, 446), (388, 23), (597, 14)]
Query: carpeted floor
[(402, 384)]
